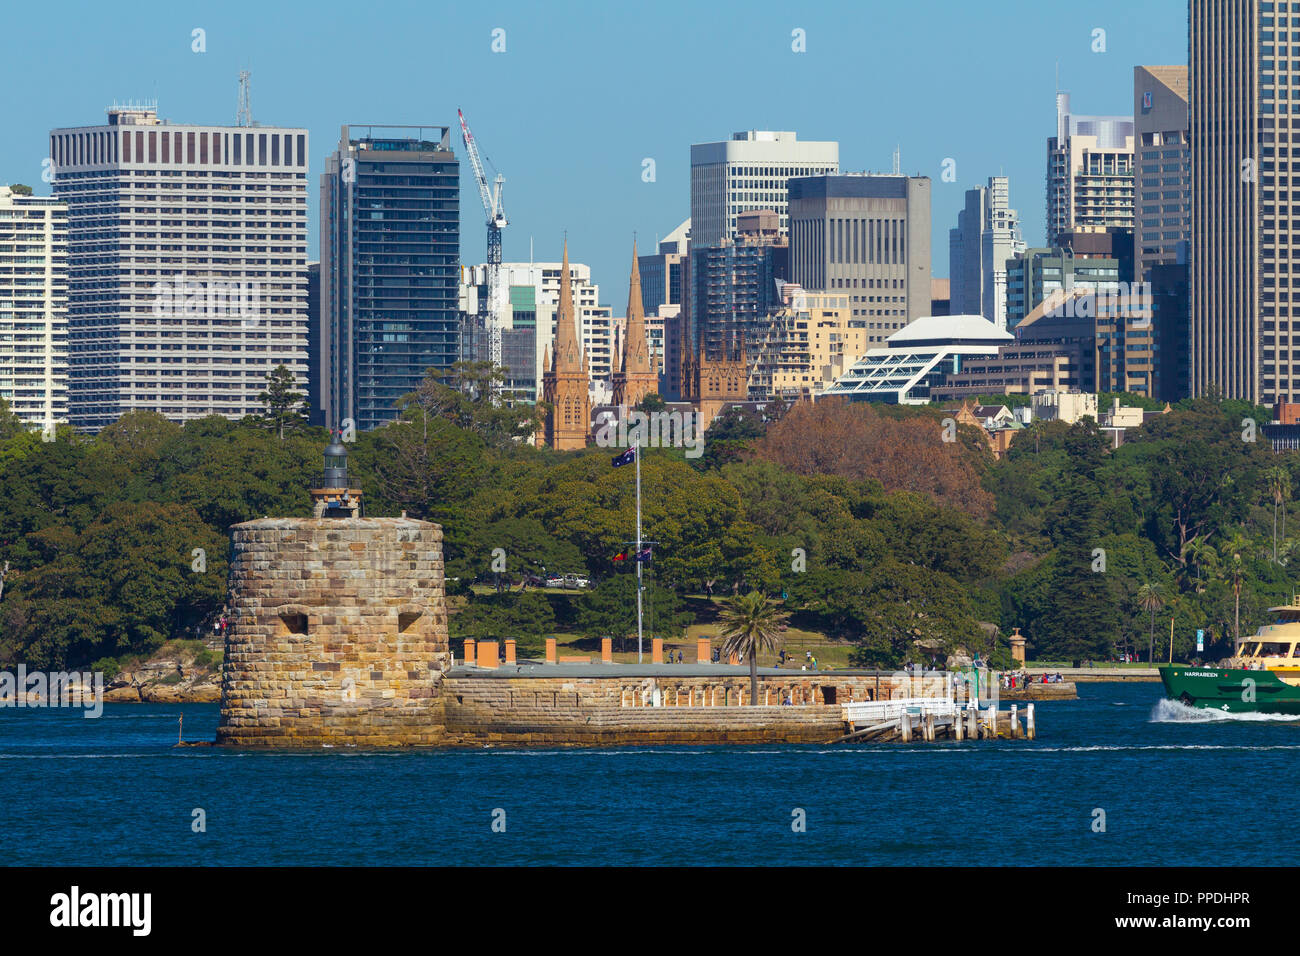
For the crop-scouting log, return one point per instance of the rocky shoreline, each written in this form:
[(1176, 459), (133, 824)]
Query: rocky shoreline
[(165, 680)]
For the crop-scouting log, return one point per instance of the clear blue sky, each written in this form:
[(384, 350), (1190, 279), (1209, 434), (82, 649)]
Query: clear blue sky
[(585, 91)]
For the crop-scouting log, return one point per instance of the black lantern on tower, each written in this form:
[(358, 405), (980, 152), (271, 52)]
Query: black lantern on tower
[(333, 496), (336, 463)]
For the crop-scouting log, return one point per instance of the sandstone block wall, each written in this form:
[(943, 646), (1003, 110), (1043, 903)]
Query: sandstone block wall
[(541, 712), (607, 709), (339, 633)]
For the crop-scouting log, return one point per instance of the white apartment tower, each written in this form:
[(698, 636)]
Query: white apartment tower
[(748, 172), (1089, 172), (34, 307), (187, 262), (987, 235)]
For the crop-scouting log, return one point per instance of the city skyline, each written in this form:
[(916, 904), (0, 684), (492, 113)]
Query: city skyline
[(992, 127)]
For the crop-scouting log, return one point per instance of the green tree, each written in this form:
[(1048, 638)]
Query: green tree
[(124, 586), (609, 610), (10, 424), (285, 408), (729, 437), (750, 624), (470, 396), (525, 616)]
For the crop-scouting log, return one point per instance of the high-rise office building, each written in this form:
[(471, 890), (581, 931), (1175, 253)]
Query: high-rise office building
[(1091, 288), (187, 264), (390, 267), (1089, 172), (750, 171), (661, 271), (732, 287), (1162, 173), (987, 235), (1039, 275), (867, 236), (1163, 216), (315, 341), (34, 307), (1245, 140)]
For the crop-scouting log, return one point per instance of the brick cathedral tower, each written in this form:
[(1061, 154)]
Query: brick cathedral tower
[(564, 378), (638, 376)]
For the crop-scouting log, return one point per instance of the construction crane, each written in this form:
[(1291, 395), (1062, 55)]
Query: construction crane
[(495, 315)]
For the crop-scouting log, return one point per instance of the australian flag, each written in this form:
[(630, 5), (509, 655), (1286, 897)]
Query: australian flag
[(643, 554), (626, 458)]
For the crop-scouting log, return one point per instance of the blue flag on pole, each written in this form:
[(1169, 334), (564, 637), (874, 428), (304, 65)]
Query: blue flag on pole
[(626, 458)]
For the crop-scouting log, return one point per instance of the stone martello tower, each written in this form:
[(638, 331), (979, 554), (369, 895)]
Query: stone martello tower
[(340, 629)]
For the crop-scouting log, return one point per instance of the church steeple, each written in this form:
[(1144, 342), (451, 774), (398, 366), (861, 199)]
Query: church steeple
[(568, 350), (564, 379), (636, 351), (637, 377)]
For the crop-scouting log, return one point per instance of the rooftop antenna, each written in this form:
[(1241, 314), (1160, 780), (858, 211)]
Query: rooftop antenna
[(898, 159), (244, 117)]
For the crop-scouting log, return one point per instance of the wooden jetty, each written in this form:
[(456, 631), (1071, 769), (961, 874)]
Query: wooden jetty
[(929, 719)]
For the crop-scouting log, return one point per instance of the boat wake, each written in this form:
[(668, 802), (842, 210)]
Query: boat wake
[(1175, 712)]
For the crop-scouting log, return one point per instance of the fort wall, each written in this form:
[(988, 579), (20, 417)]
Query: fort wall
[(339, 633)]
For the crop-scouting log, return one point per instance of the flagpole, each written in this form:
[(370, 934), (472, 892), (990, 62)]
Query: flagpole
[(639, 562)]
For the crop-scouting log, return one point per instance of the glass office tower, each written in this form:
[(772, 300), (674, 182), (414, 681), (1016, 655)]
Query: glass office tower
[(390, 260)]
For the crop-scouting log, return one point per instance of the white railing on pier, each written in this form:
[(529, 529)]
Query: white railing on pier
[(877, 711)]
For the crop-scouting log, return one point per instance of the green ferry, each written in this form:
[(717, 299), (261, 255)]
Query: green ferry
[(1262, 677)]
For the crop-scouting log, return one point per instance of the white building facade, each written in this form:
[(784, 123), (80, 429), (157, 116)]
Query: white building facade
[(187, 264), (34, 307), (1089, 172), (748, 172)]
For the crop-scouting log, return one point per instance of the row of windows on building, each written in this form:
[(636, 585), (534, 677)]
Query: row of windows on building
[(179, 147)]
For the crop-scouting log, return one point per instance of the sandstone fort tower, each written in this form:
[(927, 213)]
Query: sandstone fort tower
[(340, 626)]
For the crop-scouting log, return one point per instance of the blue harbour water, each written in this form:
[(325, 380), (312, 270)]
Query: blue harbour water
[(115, 791)]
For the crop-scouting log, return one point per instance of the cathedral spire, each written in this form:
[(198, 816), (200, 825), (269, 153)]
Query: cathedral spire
[(568, 352), (636, 351)]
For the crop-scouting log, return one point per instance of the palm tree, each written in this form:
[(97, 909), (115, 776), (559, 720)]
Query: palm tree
[(1199, 552), (1234, 550), (751, 623), (1151, 597), (1278, 480)]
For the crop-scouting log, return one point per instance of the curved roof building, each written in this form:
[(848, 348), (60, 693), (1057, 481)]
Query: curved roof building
[(918, 358)]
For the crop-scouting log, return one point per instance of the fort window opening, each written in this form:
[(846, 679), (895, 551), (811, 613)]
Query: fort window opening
[(292, 622)]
